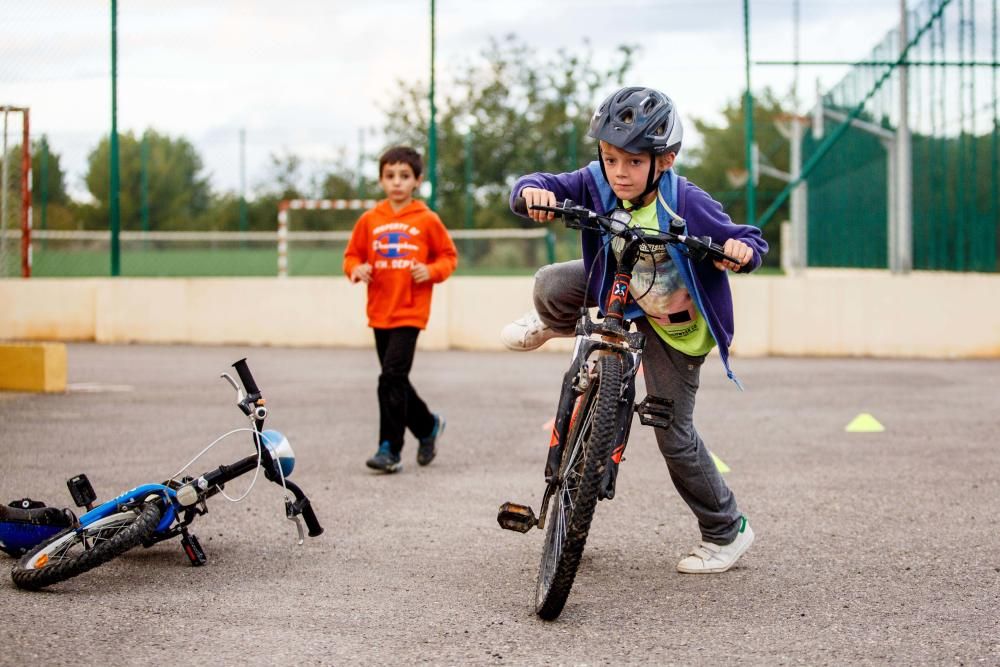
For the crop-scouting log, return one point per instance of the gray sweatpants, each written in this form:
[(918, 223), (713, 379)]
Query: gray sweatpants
[(669, 373)]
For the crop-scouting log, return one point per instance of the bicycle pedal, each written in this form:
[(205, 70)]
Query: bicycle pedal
[(656, 411), (192, 547), (520, 518), (82, 491)]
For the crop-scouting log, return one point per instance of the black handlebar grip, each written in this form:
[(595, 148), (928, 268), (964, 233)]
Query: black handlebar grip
[(246, 377), (520, 206), (312, 523)]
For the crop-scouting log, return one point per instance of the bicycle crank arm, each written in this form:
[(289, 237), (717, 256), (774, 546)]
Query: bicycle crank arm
[(521, 518)]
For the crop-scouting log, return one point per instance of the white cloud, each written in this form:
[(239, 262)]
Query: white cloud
[(307, 75)]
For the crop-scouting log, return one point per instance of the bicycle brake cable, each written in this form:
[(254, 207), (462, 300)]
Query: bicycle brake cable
[(213, 444)]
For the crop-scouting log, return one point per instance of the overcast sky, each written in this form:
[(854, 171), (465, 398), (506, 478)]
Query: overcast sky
[(307, 76)]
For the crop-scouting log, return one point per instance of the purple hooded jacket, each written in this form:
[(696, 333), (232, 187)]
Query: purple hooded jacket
[(709, 287)]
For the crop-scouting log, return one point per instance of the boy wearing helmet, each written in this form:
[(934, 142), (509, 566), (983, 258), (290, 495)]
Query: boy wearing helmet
[(683, 313)]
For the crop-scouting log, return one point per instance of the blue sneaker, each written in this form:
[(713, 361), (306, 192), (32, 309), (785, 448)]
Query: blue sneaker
[(384, 459), (428, 446)]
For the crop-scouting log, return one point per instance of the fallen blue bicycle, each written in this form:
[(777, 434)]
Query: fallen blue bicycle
[(151, 513)]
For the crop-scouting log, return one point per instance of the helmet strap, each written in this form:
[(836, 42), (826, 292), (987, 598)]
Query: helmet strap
[(652, 181)]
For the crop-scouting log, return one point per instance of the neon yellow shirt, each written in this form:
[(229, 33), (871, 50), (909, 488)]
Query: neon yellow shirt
[(659, 290)]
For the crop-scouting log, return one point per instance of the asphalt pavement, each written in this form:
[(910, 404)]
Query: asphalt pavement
[(872, 547)]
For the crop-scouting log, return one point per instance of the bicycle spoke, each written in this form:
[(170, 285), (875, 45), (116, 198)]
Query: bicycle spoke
[(86, 539)]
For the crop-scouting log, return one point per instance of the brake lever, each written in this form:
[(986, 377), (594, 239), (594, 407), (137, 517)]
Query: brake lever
[(239, 392), (292, 516)]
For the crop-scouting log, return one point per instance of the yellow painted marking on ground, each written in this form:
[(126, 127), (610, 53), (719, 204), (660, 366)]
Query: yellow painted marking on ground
[(720, 464), (864, 423)]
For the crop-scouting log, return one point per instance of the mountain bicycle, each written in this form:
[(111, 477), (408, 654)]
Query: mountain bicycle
[(596, 403), (151, 513)]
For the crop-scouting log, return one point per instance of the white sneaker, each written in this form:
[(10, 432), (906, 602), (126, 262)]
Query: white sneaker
[(526, 333), (708, 558)]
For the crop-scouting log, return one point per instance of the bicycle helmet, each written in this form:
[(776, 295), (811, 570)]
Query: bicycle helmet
[(638, 120)]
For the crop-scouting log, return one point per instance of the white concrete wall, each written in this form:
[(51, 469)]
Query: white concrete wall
[(817, 313)]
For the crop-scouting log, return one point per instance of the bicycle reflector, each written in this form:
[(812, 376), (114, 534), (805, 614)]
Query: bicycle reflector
[(516, 517)]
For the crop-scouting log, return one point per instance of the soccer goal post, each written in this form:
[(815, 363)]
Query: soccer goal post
[(16, 197), (287, 205), (483, 250)]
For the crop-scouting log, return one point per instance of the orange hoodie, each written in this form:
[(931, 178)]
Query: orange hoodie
[(391, 241)]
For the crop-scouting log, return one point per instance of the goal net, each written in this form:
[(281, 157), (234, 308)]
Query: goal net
[(312, 244)]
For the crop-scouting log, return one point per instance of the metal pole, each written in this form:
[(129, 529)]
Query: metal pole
[(25, 196), (432, 131), (573, 159), (995, 141), (795, 47), (145, 181), (4, 176), (243, 180), (43, 177), (468, 179), (751, 195), (361, 163), (114, 194), (904, 163), (467, 145), (800, 224)]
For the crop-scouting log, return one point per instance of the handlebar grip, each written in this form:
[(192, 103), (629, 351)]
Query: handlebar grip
[(312, 523), (246, 377), (520, 206), (717, 249)]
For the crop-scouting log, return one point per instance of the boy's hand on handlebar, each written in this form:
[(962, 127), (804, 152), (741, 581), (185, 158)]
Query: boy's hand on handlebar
[(420, 272), (362, 273), (539, 197), (737, 250)]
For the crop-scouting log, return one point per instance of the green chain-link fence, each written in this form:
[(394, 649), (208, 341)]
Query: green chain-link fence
[(953, 121)]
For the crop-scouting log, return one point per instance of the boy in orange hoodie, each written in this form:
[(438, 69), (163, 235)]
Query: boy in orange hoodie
[(400, 249)]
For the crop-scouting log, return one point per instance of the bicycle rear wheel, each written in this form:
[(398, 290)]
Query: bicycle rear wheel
[(585, 456), (76, 550)]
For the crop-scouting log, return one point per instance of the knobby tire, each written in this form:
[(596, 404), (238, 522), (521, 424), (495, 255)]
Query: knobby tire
[(585, 456), (77, 550)]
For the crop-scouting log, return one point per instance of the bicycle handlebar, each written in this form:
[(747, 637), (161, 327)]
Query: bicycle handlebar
[(246, 377), (617, 224), (253, 405), (312, 523)]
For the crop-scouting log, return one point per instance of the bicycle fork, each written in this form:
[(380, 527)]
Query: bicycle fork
[(521, 518)]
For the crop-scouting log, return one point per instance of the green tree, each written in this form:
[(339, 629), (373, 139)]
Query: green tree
[(48, 186), (178, 191), (719, 160), (512, 114), (47, 175)]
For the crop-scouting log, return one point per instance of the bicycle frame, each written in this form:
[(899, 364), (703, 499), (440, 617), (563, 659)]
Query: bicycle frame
[(132, 496), (614, 338), (596, 403)]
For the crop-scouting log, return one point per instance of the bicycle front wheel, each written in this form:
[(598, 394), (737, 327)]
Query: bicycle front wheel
[(585, 456), (76, 550)]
